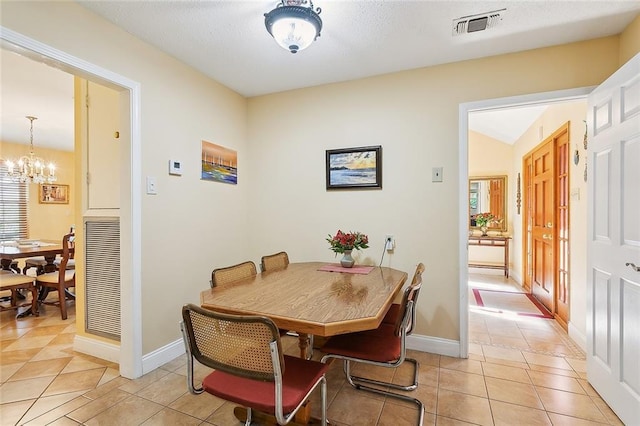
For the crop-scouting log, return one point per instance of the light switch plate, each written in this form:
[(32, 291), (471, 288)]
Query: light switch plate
[(175, 167), (152, 188), (436, 174)]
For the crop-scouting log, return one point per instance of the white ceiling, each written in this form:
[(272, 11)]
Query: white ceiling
[(227, 41)]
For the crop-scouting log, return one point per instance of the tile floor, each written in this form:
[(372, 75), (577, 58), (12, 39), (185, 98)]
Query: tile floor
[(521, 371)]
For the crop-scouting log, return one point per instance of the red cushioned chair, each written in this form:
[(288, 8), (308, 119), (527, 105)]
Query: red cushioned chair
[(395, 310), (384, 346), (246, 353)]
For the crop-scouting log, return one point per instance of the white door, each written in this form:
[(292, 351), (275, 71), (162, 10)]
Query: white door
[(613, 247)]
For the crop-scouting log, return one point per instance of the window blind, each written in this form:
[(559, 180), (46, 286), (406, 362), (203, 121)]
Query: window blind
[(14, 199)]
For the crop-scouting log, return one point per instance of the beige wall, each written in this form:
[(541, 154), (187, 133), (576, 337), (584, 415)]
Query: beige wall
[(280, 202), (48, 221), (191, 225), (414, 116)]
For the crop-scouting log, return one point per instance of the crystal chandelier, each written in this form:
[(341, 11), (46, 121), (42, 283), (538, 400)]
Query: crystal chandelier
[(31, 168), (293, 25)]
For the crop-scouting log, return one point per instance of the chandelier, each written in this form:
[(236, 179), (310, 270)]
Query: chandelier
[(31, 168), (293, 25)]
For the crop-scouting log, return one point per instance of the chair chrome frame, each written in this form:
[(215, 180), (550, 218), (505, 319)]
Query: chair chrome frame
[(276, 360), (405, 328)]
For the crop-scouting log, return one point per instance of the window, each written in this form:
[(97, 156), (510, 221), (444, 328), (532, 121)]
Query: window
[(14, 198)]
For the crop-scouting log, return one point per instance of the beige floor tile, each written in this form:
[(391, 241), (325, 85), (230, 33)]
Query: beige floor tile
[(34, 369), (468, 408), (546, 361), (446, 421), (23, 389), (48, 403), (505, 414), (109, 375), (178, 363), (355, 408), (64, 339), (72, 382), (570, 404), (463, 382), (503, 353), (562, 420), (201, 406), (507, 363), (53, 330), (11, 334), (63, 421), (505, 372), (555, 381), (608, 413), (460, 364), (53, 351), (171, 417), (12, 412), (137, 384), (512, 342), (12, 357), (165, 390), (398, 415), (223, 416), (134, 409), (513, 392), (78, 363), (58, 412), (23, 343), (8, 370), (556, 371), (579, 365), (97, 406)]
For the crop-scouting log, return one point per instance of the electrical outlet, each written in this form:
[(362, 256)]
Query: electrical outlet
[(389, 242)]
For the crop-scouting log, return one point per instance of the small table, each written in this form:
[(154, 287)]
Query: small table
[(491, 241)]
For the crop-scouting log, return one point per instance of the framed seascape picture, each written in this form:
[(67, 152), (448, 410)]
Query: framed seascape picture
[(53, 194), (353, 168), (219, 164)]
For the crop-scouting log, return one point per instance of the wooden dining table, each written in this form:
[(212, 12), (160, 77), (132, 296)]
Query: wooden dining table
[(305, 298), (12, 250), (310, 298)]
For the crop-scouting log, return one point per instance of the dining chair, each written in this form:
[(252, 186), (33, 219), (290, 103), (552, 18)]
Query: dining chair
[(14, 282), (60, 280), (249, 366), (384, 347), (38, 262), (395, 310), (221, 276), (274, 261)]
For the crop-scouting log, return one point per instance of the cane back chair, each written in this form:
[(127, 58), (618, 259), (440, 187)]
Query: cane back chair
[(222, 276), (249, 366)]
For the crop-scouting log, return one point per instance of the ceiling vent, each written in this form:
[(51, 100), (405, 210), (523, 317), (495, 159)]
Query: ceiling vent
[(475, 23)]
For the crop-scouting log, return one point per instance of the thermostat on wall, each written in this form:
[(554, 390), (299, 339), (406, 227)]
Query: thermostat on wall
[(175, 168)]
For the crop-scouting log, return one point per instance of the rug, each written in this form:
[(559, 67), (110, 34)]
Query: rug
[(510, 302), (332, 267)]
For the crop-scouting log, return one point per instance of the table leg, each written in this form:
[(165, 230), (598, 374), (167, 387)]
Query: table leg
[(303, 344), (49, 267), (6, 264)]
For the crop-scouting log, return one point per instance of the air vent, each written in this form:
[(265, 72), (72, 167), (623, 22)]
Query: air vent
[(475, 23)]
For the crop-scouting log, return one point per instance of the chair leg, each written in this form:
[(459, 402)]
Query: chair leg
[(34, 301), (62, 298), (353, 381)]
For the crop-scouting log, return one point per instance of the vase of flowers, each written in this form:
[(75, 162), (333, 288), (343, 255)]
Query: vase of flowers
[(483, 220), (345, 243)]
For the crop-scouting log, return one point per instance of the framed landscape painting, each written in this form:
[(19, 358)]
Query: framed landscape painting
[(219, 164), (353, 168)]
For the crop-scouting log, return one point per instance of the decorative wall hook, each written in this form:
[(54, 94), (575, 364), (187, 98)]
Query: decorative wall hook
[(584, 141), (576, 156), (518, 194)]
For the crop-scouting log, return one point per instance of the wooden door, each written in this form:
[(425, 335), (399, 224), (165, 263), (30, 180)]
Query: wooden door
[(613, 241), (561, 226), (543, 265)]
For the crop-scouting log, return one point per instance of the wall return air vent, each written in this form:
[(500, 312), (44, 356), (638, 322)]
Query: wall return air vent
[(475, 23)]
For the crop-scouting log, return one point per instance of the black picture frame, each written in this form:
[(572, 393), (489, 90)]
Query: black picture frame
[(354, 168)]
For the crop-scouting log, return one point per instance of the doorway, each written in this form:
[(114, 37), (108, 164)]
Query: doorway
[(515, 226), (130, 349)]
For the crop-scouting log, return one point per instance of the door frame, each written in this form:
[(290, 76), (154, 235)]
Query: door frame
[(130, 350), (463, 178)]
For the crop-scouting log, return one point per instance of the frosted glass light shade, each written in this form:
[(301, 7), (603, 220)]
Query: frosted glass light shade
[(293, 27)]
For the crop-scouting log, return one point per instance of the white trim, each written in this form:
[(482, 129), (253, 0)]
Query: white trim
[(434, 345), (130, 357), (579, 338), (98, 348), (463, 176), (162, 355)]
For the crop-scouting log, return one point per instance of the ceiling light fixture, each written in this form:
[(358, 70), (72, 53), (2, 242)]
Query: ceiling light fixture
[(293, 24), (31, 168)]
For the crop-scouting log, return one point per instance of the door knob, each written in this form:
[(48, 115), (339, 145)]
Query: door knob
[(633, 266), (549, 225)]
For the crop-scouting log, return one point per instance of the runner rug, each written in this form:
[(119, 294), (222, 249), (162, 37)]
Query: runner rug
[(510, 302)]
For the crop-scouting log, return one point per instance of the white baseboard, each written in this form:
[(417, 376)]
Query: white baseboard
[(162, 355), (97, 348), (434, 345), (578, 337)]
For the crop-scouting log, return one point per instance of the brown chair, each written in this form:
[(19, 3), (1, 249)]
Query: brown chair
[(384, 347), (249, 366), (14, 282), (38, 262), (395, 310), (274, 261), (61, 280), (233, 273)]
